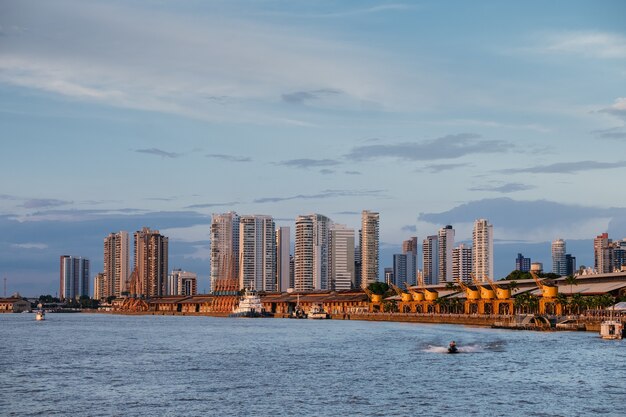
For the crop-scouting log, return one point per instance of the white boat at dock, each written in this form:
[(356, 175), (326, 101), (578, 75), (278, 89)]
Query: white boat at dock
[(249, 305), (317, 313)]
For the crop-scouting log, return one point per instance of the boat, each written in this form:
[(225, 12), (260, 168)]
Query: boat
[(249, 305), (40, 314), (612, 329), (317, 313), (452, 348)]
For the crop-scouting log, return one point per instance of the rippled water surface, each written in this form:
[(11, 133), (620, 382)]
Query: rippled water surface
[(106, 365)]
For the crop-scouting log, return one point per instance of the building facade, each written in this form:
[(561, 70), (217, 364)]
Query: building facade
[(482, 239), (74, 277), (446, 245), (283, 250), (224, 247), (149, 277), (99, 287), (522, 263), (312, 252), (341, 258), (462, 263), (559, 264), (181, 282), (603, 254), (116, 264), (257, 247), (370, 222), (430, 262)]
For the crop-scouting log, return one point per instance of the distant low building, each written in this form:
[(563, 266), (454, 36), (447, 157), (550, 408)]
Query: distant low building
[(14, 305)]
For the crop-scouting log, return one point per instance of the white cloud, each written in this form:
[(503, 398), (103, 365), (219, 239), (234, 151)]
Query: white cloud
[(39, 246), (175, 63), (590, 44)]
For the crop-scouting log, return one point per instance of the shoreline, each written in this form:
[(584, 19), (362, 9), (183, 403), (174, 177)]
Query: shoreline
[(492, 321)]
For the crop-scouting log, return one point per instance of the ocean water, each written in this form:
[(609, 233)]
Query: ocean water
[(107, 365)]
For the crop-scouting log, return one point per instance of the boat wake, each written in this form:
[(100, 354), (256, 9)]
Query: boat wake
[(475, 348)]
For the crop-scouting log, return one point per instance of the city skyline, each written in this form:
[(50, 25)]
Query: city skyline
[(116, 116)]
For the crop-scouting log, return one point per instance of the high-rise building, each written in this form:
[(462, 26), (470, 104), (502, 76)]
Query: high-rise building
[(357, 261), (462, 263), (149, 277), (283, 247), (98, 286), (570, 263), (116, 264), (224, 247), (619, 255), (389, 279), (369, 247), (312, 254), (603, 254), (446, 245), (404, 269), (409, 248), (559, 266), (521, 263), (74, 277), (482, 250), (430, 252), (292, 272), (341, 257), (181, 282), (257, 248)]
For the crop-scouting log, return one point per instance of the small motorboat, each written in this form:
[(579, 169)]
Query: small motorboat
[(40, 314), (452, 348)]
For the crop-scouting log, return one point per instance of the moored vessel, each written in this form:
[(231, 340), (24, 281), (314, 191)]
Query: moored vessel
[(40, 313), (317, 313), (612, 329), (249, 305)]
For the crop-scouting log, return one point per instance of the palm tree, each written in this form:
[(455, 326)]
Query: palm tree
[(562, 299), (571, 281)]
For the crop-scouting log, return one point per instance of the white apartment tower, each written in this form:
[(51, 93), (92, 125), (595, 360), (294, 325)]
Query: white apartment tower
[(369, 247), (462, 263), (312, 254), (559, 264), (446, 245), (283, 247), (257, 248), (430, 261), (482, 238), (341, 257), (224, 246), (116, 264)]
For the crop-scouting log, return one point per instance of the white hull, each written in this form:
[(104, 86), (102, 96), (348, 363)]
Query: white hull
[(40, 316), (612, 329)]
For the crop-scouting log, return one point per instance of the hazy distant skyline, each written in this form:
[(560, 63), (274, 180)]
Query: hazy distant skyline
[(122, 114)]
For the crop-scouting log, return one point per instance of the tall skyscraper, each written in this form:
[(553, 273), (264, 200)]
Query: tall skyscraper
[(404, 269), (151, 263), (430, 252), (312, 252), (462, 263), (603, 253), (619, 255), (257, 247), (409, 248), (357, 261), (181, 282), (283, 248), (446, 245), (74, 277), (116, 264), (224, 247), (341, 257), (98, 287), (369, 247), (570, 263), (482, 251), (559, 265), (522, 264)]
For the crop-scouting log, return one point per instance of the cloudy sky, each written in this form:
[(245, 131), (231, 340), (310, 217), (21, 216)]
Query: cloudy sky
[(120, 114)]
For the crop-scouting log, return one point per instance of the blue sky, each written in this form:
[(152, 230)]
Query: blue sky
[(120, 114)]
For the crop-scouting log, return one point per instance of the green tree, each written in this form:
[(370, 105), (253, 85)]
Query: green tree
[(379, 288), (571, 281)]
